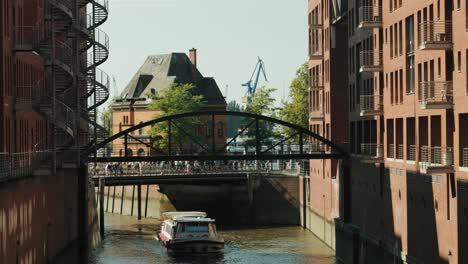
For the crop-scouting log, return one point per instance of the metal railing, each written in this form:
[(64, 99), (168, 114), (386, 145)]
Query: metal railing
[(391, 151), (85, 21), (65, 114), (315, 53), (191, 168), (439, 156), (371, 59), (372, 150), (400, 151), (32, 93), (465, 157), (135, 144), (18, 165), (316, 82), (370, 15), (25, 36), (411, 153), (372, 103), (436, 92), (434, 32), (316, 113), (66, 3), (315, 24), (63, 53)]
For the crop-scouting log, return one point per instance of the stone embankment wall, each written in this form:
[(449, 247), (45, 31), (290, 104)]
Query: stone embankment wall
[(271, 201)]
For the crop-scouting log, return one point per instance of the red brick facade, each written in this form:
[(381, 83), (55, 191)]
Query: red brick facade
[(46, 79), (406, 90)]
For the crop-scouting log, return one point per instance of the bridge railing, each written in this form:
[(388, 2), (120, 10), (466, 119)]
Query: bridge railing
[(192, 168), (141, 148)]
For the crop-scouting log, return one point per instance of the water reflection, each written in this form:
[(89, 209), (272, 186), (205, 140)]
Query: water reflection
[(128, 241)]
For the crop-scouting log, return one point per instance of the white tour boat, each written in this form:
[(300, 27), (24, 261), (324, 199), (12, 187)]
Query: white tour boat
[(190, 232)]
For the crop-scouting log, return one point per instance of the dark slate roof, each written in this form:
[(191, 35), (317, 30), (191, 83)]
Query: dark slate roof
[(158, 72)]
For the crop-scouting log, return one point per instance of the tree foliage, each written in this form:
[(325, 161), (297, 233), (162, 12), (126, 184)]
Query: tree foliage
[(233, 122), (106, 119), (177, 99), (234, 107), (296, 110), (262, 104)]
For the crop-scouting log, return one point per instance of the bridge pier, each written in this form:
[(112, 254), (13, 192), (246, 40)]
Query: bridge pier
[(102, 184), (139, 200)]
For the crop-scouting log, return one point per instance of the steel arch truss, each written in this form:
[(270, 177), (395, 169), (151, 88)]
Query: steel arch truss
[(182, 140)]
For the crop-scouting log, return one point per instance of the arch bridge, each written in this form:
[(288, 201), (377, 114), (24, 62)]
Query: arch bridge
[(201, 136)]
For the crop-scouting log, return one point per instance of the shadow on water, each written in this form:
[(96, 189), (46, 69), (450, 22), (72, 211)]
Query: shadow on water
[(128, 241)]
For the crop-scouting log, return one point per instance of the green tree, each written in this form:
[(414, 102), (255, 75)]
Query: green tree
[(106, 119), (296, 110), (262, 103), (178, 99), (233, 122)]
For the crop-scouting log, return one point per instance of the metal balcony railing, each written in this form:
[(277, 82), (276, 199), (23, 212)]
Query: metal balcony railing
[(371, 105), (18, 165), (411, 153), (391, 151), (372, 150), (25, 37), (465, 157), (371, 61), (315, 54), (315, 24), (316, 82), (435, 35), (370, 16), (436, 156), (29, 93), (436, 94), (316, 114), (400, 151)]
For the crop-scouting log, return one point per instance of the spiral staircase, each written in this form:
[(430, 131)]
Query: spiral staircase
[(73, 87)]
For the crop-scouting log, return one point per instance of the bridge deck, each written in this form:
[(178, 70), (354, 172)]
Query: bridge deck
[(174, 178)]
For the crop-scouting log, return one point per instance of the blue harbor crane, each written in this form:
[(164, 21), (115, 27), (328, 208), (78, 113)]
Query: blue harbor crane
[(253, 83)]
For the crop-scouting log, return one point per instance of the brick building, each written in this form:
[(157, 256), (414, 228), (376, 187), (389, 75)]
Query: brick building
[(157, 73), (49, 91), (405, 92)]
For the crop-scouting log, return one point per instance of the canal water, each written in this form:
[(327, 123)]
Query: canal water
[(131, 241)]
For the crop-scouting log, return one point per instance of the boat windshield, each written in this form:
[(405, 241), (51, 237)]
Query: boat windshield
[(195, 227)]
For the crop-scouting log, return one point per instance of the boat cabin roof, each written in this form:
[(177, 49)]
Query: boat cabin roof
[(182, 215), (173, 218)]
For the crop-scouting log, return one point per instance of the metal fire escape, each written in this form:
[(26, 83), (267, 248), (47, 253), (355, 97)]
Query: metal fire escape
[(68, 96)]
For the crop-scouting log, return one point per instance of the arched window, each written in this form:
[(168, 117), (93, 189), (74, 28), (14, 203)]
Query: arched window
[(129, 153), (141, 153)]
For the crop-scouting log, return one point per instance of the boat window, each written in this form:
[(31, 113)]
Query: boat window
[(197, 227), (182, 228)]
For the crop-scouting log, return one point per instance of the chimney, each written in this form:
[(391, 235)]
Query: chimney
[(193, 56)]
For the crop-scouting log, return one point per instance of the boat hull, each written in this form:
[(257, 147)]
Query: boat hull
[(195, 246)]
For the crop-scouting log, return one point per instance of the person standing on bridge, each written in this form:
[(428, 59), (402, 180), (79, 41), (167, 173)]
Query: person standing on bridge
[(107, 168)]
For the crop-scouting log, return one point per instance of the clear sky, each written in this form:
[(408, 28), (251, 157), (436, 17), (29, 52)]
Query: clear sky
[(229, 35)]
